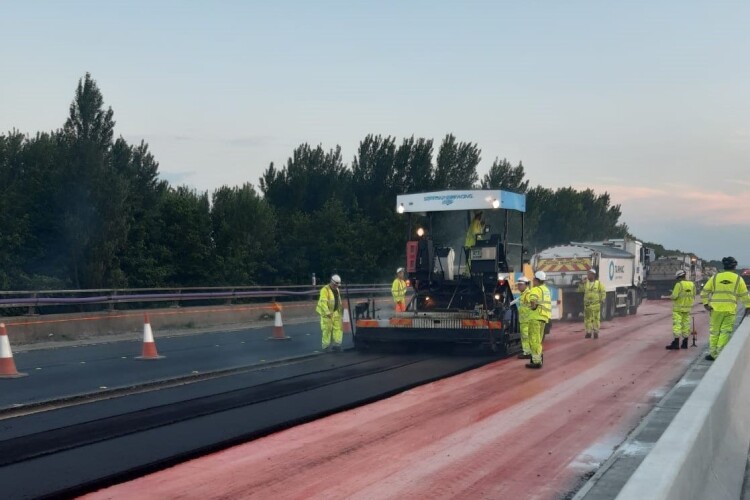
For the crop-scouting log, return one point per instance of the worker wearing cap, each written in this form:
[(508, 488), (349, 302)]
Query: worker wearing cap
[(594, 296), (720, 296), (330, 309), (524, 313), (398, 290), (683, 298), (540, 301)]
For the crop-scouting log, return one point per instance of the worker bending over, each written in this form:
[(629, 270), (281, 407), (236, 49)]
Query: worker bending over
[(330, 308), (683, 298)]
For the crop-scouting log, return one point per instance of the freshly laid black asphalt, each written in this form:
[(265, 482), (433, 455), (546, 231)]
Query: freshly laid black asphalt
[(80, 448), (73, 449), (67, 371)]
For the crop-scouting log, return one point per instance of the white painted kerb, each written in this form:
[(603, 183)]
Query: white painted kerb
[(703, 452)]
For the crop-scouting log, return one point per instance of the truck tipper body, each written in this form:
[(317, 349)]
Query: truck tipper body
[(661, 277), (620, 265)]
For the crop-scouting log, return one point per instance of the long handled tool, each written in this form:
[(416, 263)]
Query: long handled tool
[(694, 333)]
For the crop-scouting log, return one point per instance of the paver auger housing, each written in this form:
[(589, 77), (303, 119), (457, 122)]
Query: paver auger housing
[(458, 294)]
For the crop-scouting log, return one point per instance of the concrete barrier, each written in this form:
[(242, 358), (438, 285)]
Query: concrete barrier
[(703, 452)]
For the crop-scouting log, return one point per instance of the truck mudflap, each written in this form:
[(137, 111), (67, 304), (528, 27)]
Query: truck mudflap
[(403, 330)]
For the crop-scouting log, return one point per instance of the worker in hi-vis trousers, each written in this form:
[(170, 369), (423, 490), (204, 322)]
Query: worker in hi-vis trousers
[(330, 309), (524, 313), (720, 296), (398, 290), (541, 312), (683, 298), (594, 296)]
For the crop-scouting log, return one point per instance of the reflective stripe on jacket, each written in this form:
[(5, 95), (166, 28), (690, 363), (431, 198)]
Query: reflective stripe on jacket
[(329, 301), (543, 298), (723, 291), (683, 296), (593, 293), (524, 306), (398, 290)]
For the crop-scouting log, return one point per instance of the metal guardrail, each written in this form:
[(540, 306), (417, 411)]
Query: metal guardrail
[(111, 297)]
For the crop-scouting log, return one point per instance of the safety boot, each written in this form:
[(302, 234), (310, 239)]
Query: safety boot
[(684, 343), (709, 358), (674, 345), (588, 335), (534, 366), (596, 335), (524, 356)]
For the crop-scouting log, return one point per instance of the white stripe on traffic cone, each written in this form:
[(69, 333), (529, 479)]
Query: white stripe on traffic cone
[(7, 365), (346, 323), (149, 346), (278, 326)]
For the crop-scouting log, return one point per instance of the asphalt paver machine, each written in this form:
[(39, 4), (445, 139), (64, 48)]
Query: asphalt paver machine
[(457, 294)]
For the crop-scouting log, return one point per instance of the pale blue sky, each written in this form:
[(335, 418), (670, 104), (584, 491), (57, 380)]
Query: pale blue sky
[(648, 100)]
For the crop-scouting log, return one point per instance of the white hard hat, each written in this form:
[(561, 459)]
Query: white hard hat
[(524, 280), (592, 270), (679, 274), (400, 270), (540, 275), (336, 279)]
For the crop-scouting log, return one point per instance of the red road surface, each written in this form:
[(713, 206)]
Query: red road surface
[(501, 431)]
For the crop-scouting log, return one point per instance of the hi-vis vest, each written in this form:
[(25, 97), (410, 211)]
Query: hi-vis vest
[(398, 290), (683, 296), (329, 302), (542, 296), (723, 291), (524, 306), (593, 293)]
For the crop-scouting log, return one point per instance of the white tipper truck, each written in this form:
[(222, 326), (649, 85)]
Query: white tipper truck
[(661, 279), (620, 265)]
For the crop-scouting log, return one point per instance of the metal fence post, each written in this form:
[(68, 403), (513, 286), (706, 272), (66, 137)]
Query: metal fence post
[(32, 308)]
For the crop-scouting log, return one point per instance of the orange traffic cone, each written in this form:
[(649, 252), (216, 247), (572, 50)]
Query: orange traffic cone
[(7, 365), (149, 346), (278, 326), (346, 322)]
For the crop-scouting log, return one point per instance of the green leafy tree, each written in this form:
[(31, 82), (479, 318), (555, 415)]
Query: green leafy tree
[(456, 166), (311, 177), (186, 230), (14, 223), (503, 175), (413, 165), (142, 258), (92, 201), (244, 232)]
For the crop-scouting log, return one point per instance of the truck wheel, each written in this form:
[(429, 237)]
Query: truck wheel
[(632, 302), (609, 306)]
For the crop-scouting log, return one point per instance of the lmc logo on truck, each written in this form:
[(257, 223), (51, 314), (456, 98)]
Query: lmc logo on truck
[(613, 269)]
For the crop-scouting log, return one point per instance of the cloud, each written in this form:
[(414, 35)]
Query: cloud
[(251, 141), (176, 178), (740, 137), (670, 202)]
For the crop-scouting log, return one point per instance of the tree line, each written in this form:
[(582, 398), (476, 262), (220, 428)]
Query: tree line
[(83, 209)]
